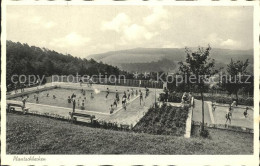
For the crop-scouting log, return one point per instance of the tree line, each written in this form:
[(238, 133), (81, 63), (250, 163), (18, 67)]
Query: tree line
[(22, 59)]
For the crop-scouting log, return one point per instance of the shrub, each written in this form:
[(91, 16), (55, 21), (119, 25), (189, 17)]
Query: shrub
[(227, 100), (204, 133), (172, 97)]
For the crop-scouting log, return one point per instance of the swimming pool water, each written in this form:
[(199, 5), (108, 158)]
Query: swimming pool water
[(99, 103)]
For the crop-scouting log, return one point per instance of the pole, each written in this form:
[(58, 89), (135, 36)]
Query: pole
[(155, 94)]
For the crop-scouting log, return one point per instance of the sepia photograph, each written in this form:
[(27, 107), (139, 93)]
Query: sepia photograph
[(129, 80)]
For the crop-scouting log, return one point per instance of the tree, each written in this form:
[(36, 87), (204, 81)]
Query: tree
[(235, 81), (201, 68)]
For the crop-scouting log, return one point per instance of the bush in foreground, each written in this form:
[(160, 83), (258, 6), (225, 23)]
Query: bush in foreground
[(172, 97)]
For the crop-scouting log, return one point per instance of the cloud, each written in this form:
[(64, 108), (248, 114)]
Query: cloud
[(128, 30), (49, 24), (159, 17), (158, 14), (230, 43), (137, 32), (72, 39), (217, 41), (117, 23)]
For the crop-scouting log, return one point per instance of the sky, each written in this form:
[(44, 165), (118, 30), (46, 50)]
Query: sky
[(84, 30)]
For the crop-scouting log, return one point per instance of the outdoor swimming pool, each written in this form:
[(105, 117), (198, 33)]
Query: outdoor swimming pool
[(99, 103), (238, 118)]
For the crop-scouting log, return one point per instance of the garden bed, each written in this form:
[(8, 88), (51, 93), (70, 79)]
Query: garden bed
[(164, 120)]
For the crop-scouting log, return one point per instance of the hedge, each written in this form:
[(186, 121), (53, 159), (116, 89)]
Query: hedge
[(172, 97), (227, 100)]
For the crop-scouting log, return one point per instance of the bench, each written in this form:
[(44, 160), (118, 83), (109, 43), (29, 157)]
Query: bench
[(73, 116), (125, 127), (11, 107)]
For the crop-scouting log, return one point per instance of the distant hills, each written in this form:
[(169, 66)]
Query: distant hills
[(165, 59)]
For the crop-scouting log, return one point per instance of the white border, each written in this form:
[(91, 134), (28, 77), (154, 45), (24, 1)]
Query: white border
[(218, 160)]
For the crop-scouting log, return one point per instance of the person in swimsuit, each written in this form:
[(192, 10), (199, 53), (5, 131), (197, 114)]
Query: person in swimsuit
[(141, 96), (117, 96), (128, 94), (245, 112), (74, 104), (124, 101), (107, 93), (115, 102), (111, 109), (213, 106), (69, 99), (228, 116), (91, 96)]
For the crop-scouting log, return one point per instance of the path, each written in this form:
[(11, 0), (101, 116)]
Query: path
[(197, 112)]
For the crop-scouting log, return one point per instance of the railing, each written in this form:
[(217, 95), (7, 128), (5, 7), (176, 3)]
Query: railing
[(106, 81)]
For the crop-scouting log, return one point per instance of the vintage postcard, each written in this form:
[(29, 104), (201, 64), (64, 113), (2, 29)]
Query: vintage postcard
[(130, 83)]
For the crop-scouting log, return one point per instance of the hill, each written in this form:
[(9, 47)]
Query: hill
[(23, 59), (150, 58)]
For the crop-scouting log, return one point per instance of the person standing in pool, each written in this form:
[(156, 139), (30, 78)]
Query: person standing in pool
[(228, 116), (80, 82), (117, 96), (83, 105), (91, 96), (146, 92), (245, 112), (74, 104), (107, 93), (115, 102), (37, 99), (124, 101), (128, 95), (234, 103), (213, 106), (141, 97), (111, 109), (24, 101), (132, 92), (69, 99)]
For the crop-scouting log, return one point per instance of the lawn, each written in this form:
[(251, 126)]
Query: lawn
[(27, 134)]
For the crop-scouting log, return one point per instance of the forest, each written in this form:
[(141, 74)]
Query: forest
[(23, 59)]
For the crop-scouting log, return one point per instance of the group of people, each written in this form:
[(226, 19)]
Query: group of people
[(186, 98), (126, 97), (230, 110), (80, 100)]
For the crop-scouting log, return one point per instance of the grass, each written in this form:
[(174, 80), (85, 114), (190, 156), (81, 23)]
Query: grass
[(28, 134)]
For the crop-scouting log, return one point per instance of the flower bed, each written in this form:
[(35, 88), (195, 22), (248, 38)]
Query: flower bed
[(166, 120)]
